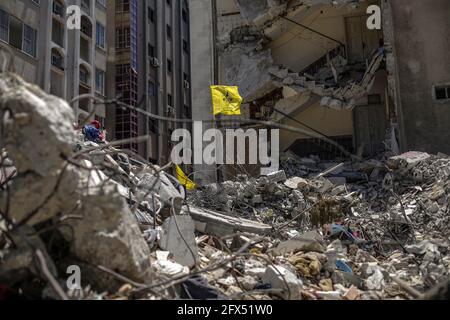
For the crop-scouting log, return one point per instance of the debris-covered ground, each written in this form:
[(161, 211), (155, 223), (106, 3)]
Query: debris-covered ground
[(370, 229)]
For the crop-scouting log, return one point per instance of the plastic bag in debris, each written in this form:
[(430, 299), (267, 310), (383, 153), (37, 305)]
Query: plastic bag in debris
[(337, 231), (197, 288)]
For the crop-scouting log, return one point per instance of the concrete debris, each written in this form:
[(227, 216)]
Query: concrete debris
[(281, 278), (352, 238), (178, 238), (338, 229)]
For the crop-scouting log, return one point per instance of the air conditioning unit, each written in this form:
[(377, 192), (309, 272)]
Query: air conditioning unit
[(155, 62), (187, 85)]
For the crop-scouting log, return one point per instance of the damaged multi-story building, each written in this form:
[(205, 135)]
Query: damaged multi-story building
[(137, 52), (150, 69), (37, 44), (316, 65)]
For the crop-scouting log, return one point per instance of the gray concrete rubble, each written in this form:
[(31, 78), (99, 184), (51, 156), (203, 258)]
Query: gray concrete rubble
[(349, 239), (38, 136), (339, 229)]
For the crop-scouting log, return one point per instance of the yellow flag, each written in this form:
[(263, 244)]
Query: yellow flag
[(226, 100), (184, 180)]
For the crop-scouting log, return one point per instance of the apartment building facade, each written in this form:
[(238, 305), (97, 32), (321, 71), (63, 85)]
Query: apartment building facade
[(35, 39), (150, 71)]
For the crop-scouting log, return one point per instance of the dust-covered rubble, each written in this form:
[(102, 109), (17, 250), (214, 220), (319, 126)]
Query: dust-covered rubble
[(341, 229)]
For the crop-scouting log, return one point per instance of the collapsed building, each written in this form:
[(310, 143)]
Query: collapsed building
[(373, 229), (317, 65), (320, 228)]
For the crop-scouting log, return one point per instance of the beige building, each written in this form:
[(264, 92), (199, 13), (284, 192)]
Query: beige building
[(316, 65), (35, 39)]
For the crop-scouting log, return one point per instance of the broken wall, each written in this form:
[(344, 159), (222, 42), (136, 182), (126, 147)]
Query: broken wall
[(330, 122), (422, 62)]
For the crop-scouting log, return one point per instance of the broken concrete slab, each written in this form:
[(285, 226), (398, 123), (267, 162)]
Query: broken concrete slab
[(309, 241), (39, 141), (38, 115), (296, 183), (281, 278), (277, 176), (178, 238), (407, 160)]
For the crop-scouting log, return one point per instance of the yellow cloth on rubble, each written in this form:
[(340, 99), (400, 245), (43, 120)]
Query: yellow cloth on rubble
[(226, 100), (184, 180)]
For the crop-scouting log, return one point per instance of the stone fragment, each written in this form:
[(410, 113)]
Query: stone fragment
[(178, 237), (278, 277), (309, 241), (296, 183)]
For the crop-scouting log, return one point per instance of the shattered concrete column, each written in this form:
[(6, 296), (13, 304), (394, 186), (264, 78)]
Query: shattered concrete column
[(38, 135), (202, 65)]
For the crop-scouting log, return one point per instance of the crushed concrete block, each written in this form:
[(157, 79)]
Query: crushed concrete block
[(108, 234), (278, 277), (296, 183), (41, 133), (169, 268), (309, 241), (178, 237), (407, 161), (248, 282), (338, 181), (277, 176), (329, 295), (257, 199), (279, 73), (338, 190)]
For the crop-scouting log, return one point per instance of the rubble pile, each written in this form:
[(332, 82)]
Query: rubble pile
[(374, 229)]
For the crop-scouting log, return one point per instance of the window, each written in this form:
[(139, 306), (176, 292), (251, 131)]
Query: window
[(86, 26), (122, 38), (169, 2), (85, 50), (442, 92), (100, 81), (100, 35), (57, 60), (151, 89), (169, 65), (151, 14), (84, 75), (102, 3), (185, 76), (187, 111), (4, 26), (169, 32), (185, 46), (58, 8), (169, 100), (185, 16), (57, 33), (15, 32), (122, 6), (151, 50)]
